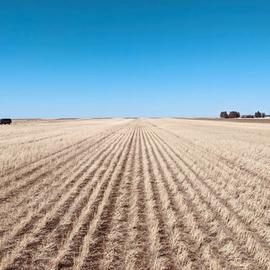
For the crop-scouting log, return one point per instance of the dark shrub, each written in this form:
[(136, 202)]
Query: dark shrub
[(224, 115), (234, 114)]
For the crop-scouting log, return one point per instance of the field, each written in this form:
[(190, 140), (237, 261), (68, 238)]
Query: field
[(134, 194)]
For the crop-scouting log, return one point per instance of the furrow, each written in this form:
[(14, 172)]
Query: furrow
[(38, 252), (114, 242), (160, 252), (34, 177), (56, 239), (225, 163), (31, 167), (226, 215), (185, 248), (249, 205), (228, 178), (97, 237), (212, 186), (27, 169), (190, 225), (49, 218), (73, 244), (31, 199), (232, 163), (138, 241)]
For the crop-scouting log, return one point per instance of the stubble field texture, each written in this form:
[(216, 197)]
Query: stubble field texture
[(134, 194)]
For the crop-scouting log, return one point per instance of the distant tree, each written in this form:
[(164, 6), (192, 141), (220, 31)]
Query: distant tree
[(263, 115), (224, 115), (258, 114), (234, 114)]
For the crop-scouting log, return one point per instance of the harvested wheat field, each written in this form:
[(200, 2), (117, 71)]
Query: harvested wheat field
[(135, 194)]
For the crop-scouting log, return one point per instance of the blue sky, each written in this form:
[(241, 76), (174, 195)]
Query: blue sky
[(66, 58)]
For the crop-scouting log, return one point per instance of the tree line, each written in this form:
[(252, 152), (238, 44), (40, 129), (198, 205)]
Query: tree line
[(235, 114)]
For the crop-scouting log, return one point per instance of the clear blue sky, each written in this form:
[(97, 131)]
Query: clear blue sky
[(62, 58)]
